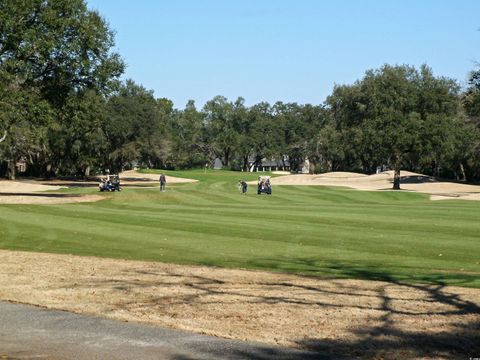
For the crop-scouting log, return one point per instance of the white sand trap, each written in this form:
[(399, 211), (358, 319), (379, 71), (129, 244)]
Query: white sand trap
[(475, 197), (8, 186), (341, 175), (26, 192), (439, 190), (133, 176), (51, 199)]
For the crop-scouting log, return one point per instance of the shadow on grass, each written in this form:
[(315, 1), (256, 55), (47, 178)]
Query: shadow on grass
[(315, 268), (416, 179), (45, 195), (462, 340), (392, 322), (386, 340)]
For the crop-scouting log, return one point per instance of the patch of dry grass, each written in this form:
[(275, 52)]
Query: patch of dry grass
[(339, 316)]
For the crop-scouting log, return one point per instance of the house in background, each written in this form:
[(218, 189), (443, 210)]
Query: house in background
[(21, 165), (217, 164), (265, 164), (305, 166), (271, 164)]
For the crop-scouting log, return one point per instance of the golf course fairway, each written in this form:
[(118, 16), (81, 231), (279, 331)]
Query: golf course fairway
[(309, 230)]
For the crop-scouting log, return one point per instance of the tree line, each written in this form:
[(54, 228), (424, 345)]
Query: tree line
[(64, 111)]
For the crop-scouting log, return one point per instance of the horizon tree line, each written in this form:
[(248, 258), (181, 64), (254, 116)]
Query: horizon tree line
[(64, 111)]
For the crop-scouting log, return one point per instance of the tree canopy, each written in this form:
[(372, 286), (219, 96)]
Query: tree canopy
[(51, 54), (394, 116)]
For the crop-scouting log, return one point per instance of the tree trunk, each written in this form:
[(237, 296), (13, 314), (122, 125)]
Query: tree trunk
[(312, 167), (226, 158), (396, 178), (462, 170), (48, 171), (87, 171), (12, 170), (245, 163)]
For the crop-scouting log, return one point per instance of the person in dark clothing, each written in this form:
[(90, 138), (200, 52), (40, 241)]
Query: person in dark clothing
[(264, 185), (244, 187), (259, 185), (163, 182)]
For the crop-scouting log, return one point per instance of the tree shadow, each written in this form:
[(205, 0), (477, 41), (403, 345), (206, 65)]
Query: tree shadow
[(393, 333), (45, 195), (313, 267), (254, 352), (74, 184), (416, 179), (385, 342), (461, 340)]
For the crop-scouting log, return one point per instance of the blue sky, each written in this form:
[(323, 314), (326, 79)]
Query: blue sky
[(285, 50)]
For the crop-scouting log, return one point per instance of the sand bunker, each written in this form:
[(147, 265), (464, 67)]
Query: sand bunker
[(26, 192), (50, 199), (7, 186), (350, 318), (133, 176), (439, 190), (40, 192), (127, 178)]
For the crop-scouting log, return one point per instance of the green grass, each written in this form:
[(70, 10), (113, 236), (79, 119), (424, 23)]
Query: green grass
[(317, 231)]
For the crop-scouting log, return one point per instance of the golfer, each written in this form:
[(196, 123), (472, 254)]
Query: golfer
[(244, 187), (163, 182)]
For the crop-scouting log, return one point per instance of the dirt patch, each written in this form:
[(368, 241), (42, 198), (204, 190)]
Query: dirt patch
[(438, 190), (346, 317)]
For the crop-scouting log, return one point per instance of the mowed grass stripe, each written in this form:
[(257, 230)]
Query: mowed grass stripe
[(158, 229), (336, 220)]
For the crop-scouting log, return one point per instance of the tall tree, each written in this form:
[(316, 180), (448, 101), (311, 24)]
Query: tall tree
[(471, 98), (388, 108), (24, 116), (265, 133), (135, 128), (222, 135), (471, 105), (76, 140), (51, 49), (187, 131)]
